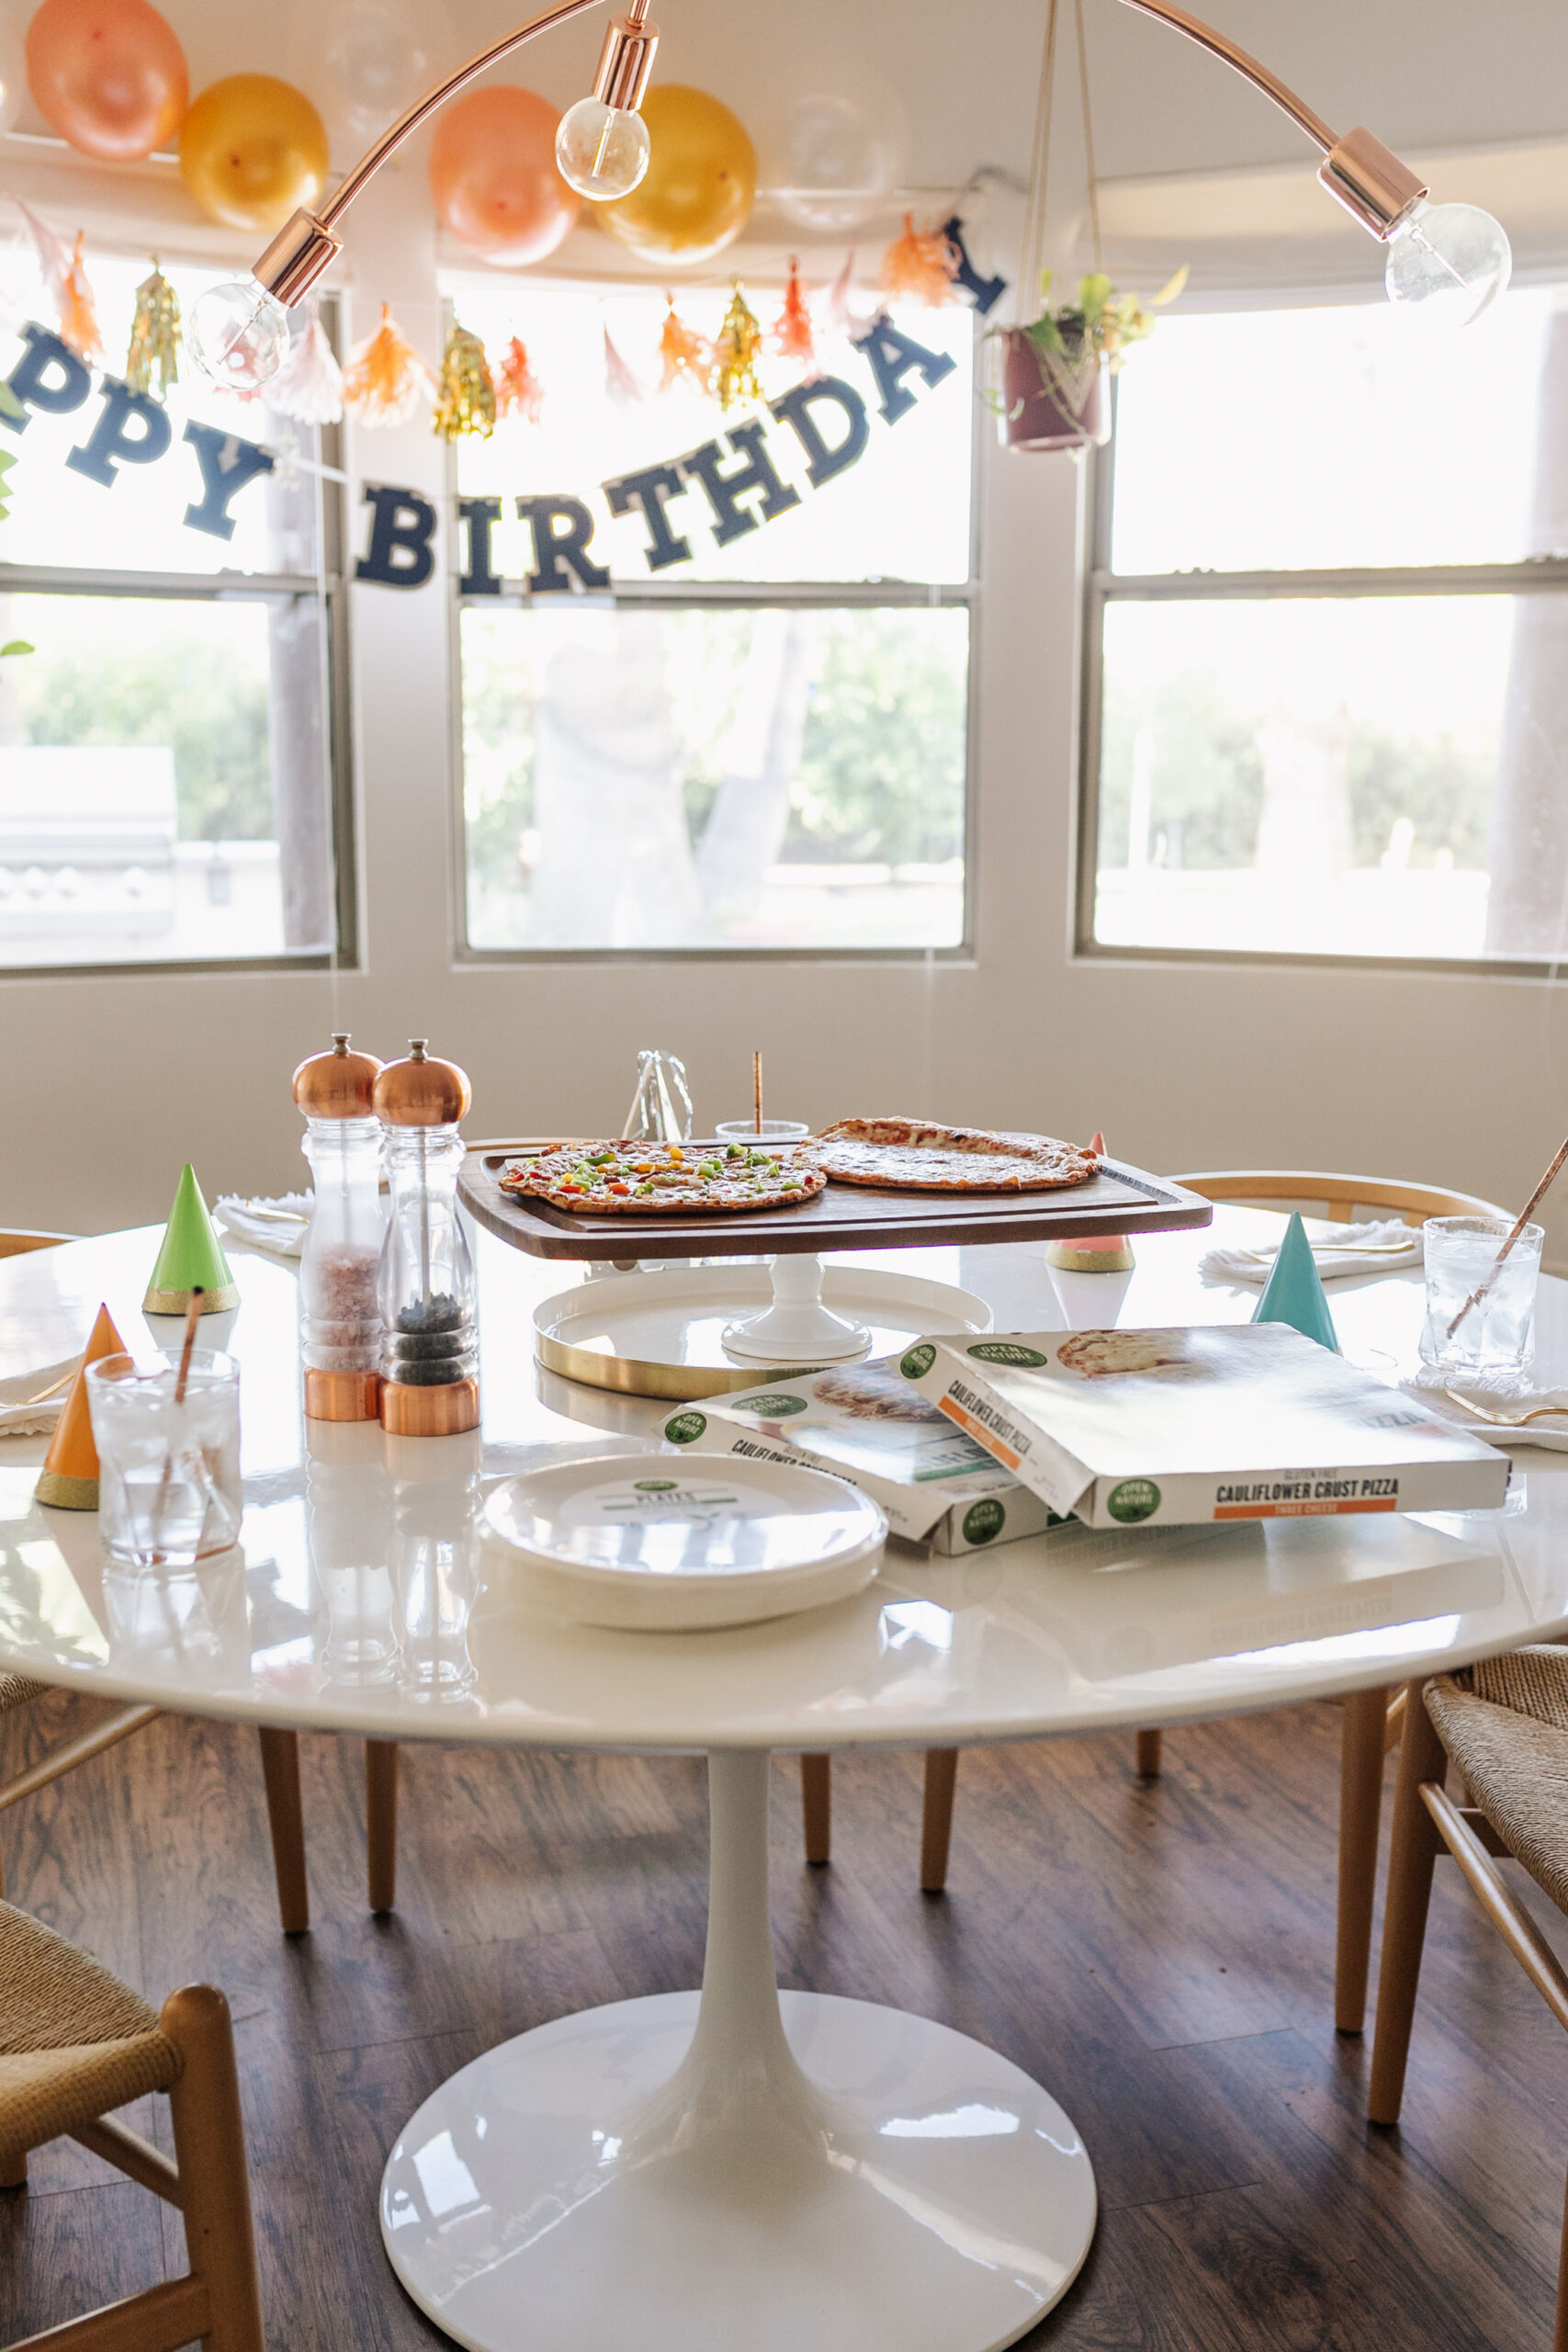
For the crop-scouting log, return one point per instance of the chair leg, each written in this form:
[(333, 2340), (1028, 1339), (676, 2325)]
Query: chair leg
[(209, 2146), (936, 1826), (1414, 1846), (280, 1771), (817, 1806), (1362, 1750), (382, 1821), (1149, 1746)]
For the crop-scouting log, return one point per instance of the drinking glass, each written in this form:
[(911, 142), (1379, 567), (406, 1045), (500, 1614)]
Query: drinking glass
[(168, 1474), (772, 1131), (1493, 1339)]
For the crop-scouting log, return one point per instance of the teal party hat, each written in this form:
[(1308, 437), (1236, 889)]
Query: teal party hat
[(1293, 1292)]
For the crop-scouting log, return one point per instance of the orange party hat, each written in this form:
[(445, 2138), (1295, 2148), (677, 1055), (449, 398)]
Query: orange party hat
[(69, 1478)]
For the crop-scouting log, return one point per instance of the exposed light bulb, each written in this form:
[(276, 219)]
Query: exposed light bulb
[(1452, 260), (602, 151), (237, 333)]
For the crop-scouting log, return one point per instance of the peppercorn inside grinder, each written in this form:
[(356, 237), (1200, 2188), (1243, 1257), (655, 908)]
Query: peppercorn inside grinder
[(339, 1265), (429, 1328)]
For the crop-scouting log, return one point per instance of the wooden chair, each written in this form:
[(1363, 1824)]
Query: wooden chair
[(15, 1245), (1504, 1724), (74, 2043), (1371, 1718)]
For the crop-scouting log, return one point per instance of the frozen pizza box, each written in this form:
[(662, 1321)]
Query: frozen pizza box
[(866, 1423), (1212, 1422)]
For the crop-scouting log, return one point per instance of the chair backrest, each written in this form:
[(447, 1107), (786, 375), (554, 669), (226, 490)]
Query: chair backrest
[(12, 1245), (1318, 1194)]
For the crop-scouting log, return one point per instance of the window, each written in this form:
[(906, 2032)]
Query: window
[(1327, 673), (166, 769), (760, 741)]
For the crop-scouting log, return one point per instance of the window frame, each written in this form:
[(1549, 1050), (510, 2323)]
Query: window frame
[(330, 585), (1103, 587), (653, 595)]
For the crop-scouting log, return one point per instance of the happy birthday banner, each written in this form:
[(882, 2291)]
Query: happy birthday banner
[(828, 417)]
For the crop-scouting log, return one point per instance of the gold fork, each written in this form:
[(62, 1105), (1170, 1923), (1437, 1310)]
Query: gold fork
[(1505, 1420), (45, 1394)]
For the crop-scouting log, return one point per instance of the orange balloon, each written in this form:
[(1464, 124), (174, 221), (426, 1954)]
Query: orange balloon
[(108, 75), (700, 187), (253, 149), (493, 177)]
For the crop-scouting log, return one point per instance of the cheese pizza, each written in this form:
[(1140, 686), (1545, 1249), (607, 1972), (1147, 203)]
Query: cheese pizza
[(917, 1156)]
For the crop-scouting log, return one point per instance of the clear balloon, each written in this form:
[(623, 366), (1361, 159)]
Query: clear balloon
[(364, 60), (701, 183), (603, 151), (13, 74), (1451, 261), (253, 149), (108, 75), (493, 175), (834, 145)]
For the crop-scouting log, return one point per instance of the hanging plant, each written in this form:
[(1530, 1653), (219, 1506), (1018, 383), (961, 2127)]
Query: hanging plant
[(793, 336), (386, 379), (154, 347), (518, 392), (1053, 389), (736, 353), (688, 357), (620, 385), (308, 386), (920, 265), (465, 398)]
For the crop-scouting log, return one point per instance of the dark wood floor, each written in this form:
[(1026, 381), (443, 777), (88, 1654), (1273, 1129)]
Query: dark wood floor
[(1159, 1954)]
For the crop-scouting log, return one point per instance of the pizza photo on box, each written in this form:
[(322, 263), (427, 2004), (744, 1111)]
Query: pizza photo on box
[(918, 1156), (656, 1179)]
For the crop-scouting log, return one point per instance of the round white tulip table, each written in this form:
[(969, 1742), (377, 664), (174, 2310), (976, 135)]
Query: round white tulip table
[(700, 2173)]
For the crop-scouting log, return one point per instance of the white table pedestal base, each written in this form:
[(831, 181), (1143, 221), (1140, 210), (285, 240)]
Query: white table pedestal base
[(797, 1328), (738, 2171)]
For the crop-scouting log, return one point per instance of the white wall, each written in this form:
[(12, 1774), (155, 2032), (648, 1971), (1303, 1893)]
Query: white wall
[(107, 1085)]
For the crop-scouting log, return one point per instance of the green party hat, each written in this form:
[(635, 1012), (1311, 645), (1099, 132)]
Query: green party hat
[(1293, 1292), (191, 1257)]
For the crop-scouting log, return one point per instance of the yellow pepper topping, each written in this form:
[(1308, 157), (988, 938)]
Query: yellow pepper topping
[(676, 1152)]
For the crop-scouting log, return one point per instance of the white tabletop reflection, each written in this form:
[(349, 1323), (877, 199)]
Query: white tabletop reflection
[(363, 1595)]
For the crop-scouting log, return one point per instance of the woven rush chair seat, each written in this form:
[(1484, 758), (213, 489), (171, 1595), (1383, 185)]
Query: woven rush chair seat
[(18, 1691), (1505, 1724), (74, 2042)]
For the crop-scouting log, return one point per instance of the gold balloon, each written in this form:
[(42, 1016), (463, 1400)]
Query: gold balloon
[(252, 149), (700, 187)]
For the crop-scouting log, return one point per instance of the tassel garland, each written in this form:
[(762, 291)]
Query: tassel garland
[(687, 355), (620, 385), (921, 264), (308, 386), (518, 392), (386, 379), (154, 335), (793, 337), (465, 400), (737, 352), (78, 311)]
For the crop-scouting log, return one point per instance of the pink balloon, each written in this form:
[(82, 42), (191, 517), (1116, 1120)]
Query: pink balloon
[(493, 174)]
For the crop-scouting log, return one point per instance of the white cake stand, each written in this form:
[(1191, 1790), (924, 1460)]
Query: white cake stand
[(738, 2173), (698, 1330)]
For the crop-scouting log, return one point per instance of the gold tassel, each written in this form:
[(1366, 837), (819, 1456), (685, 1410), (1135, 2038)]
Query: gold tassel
[(465, 398), (154, 335), (737, 352)]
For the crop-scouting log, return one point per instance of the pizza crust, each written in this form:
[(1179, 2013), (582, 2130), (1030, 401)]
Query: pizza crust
[(918, 1156), (681, 1189)]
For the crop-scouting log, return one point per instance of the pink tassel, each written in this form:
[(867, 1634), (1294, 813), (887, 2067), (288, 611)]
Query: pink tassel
[(620, 384)]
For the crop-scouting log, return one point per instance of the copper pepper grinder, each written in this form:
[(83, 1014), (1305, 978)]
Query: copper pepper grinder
[(340, 1314), (429, 1323)]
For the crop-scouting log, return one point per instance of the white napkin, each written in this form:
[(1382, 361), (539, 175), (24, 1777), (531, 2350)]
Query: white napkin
[(1553, 1436), (21, 1420), (282, 1230), (1341, 1249)]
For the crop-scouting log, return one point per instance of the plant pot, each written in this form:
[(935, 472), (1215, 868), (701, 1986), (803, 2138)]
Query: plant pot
[(1048, 405)]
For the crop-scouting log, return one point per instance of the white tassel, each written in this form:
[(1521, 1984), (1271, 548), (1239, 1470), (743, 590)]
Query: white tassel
[(310, 384)]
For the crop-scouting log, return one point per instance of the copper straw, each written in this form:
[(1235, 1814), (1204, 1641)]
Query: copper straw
[(1519, 1224), (193, 1317), (757, 1091)]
